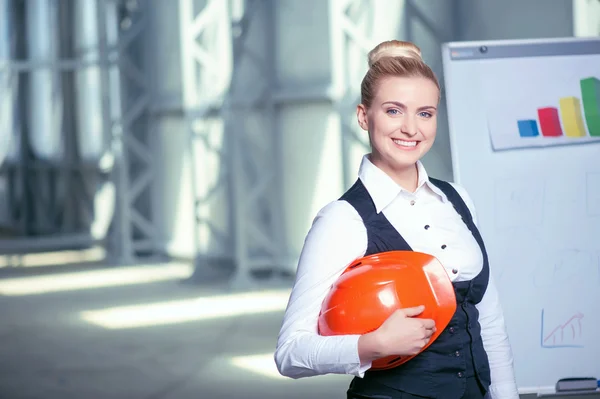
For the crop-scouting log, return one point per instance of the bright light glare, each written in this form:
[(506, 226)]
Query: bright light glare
[(187, 310), (53, 258), (259, 364), (141, 274)]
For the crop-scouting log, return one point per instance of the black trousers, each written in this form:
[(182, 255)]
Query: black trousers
[(369, 390)]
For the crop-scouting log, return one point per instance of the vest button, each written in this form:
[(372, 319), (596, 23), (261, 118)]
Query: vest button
[(452, 330), (427, 227), (457, 353), (460, 374), (444, 246)]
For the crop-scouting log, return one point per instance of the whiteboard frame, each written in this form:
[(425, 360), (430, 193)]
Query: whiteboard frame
[(455, 52)]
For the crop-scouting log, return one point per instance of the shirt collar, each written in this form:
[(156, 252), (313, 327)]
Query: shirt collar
[(383, 189)]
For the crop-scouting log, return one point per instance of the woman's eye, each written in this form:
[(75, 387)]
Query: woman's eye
[(393, 111), (425, 114)]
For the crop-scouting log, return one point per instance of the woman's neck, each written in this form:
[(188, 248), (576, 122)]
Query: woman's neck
[(406, 177)]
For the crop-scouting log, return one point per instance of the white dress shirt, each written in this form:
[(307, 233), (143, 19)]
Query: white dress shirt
[(338, 236)]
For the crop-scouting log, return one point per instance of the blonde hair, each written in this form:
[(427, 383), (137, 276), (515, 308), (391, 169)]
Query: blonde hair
[(393, 58)]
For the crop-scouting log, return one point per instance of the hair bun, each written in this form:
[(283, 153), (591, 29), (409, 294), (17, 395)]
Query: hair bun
[(394, 48)]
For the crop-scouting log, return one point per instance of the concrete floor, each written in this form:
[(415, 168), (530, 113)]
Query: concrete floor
[(49, 352)]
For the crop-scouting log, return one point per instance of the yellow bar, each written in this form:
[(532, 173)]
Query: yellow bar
[(572, 119)]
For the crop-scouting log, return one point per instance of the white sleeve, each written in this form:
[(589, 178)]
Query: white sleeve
[(493, 331), (337, 237)]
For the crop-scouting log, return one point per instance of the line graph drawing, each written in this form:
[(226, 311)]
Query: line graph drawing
[(565, 335)]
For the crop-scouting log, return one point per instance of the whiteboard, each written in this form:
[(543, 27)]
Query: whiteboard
[(524, 120)]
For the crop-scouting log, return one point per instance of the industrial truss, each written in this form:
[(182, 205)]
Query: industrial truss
[(230, 106), (67, 200), (221, 108), (351, 40)]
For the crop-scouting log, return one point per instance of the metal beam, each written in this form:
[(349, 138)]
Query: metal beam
[(256, 163), (348, 36), (249, 150), (135, 230), (205, 38)]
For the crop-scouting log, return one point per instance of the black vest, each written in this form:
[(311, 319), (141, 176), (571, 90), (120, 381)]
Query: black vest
[(441, 370)]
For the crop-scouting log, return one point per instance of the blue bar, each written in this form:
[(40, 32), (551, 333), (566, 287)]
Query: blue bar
[(528, 128)]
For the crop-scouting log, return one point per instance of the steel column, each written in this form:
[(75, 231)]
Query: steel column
[(218, 66), (10, 130), (205, 38), (256, 162), (131, 131), (351, 40)]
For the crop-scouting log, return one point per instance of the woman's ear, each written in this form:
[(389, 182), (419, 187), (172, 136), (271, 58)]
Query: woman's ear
[(361, 115)]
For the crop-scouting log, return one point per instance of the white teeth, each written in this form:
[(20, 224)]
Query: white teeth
[(406, 143)]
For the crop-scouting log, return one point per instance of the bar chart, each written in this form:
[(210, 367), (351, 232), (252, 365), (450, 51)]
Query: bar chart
[(573, 117)]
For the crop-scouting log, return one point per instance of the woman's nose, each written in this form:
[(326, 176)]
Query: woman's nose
[(409, 127)]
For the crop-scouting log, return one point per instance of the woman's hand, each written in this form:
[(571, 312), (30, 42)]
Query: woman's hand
[(401, 334)]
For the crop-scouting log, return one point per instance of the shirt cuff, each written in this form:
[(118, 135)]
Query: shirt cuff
[(361, 368), (504, 390)]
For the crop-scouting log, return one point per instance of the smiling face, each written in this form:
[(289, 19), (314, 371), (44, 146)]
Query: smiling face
[(401, 121)]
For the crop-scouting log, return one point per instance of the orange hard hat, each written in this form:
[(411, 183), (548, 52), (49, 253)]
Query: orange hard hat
[(373, 287)]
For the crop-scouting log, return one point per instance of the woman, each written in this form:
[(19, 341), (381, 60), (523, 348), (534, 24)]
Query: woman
[(394, 205)]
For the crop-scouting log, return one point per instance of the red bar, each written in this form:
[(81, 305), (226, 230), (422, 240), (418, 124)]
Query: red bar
[(549, 122)]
